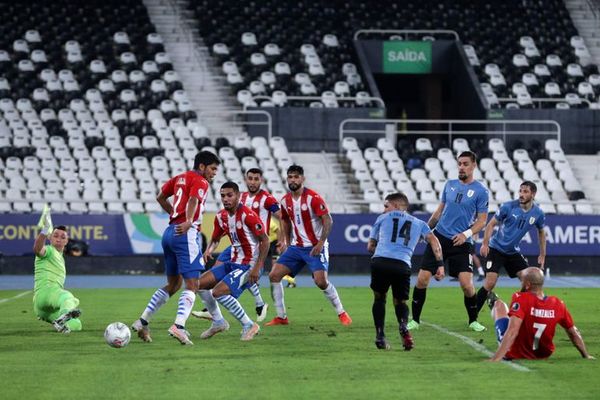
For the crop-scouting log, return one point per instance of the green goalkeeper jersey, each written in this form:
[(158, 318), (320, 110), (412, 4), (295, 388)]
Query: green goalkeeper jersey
[(50, 269)]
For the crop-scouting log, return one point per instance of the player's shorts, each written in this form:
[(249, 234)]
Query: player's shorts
[(225, 255), (457, 258), (501, 326), (386, 272), (295, 258), (183, 253), (235, 276), (512, 263)]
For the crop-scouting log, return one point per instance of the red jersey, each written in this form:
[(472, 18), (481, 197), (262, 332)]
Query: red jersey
[(263, 203), (183, 186), (243, 229), (539, 317), (304, 215)]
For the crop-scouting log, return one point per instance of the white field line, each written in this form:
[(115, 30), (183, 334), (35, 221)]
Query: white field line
[(14, 297), (479, 347)]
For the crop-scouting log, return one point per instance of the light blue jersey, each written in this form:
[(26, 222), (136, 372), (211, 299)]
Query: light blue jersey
[(514, 224), (462, 204), (397, 234)]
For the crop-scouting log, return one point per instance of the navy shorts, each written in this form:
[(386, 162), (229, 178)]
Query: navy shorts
[(183, 253), (235, 276), (295, 258)]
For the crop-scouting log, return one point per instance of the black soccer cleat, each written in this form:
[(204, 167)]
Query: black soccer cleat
[(491, 299), (382, 343)]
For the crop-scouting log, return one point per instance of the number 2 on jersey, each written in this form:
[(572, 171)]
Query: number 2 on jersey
[(539, 330), (178, 197), (403, 233)]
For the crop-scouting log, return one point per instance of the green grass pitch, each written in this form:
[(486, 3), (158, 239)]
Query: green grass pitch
[(314, 357)]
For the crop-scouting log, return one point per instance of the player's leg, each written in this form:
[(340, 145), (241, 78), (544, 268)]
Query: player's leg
[(380, 285), (400, 280), (495, 261), (68, 311), (460, 265), (419, 296), (500, 316), (207, 281), (289, 263), (319, 266)]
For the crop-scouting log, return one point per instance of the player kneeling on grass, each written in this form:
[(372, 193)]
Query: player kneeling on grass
[(51, 303), (527, 329), (392, 243), (249, 248)]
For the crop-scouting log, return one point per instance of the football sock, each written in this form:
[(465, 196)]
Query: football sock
[(67, 302), (234, 307), (471, 306), (277, 295), (379, 317), (257, 297), (158, 299), (211, 304), (482, 295), (419, 296), (334, 298), (184, 308), (74, 324), (401, 315)]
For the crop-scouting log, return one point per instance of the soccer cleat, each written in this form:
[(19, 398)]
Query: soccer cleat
[(180, 334), (261, 312), (382, 343), (291, 281), (278, 321), (407, 341), (60, 322), (143, 331), (412, 325), (204, 314), (250, 332), (477, 327), (491, 299), (345, 318), (214, 329)]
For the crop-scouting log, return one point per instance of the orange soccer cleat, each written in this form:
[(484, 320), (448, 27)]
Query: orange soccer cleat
[(278, 321), (345, 318)]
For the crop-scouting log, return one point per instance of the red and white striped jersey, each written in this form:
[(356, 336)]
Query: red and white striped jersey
[(244, 229), (304, 215), (263, 203), (184, 186)]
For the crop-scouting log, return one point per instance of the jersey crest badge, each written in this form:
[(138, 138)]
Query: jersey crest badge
[(238, 225), (255, 204), (201, 193), (531, 220), (304, 207), (470, 193)]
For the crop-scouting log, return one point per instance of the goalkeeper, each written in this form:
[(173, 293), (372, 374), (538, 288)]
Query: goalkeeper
[(51, 303)]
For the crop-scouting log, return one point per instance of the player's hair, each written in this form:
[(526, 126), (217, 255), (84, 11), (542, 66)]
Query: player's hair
[(532, 186), (255, 171), (295, 169), (231, 185), (205, 158), (399, 197), (469, 154), (61, 228)]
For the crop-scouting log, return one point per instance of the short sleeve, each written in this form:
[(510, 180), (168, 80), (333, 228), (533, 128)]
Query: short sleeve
[(254, 223), (49, 250), (375, 229), (199, 189), (517, 306), (284, 214), (443, 195), (541, 221), (271, 204), (319, 207), (482, 201), (567, 321), (168, 189), (502, 212), (218, 231), (425, 230)]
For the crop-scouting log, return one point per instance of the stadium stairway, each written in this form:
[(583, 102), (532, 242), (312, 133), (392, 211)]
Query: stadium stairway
[(205, 85), (325, 175), (587, 169), (587, 24)]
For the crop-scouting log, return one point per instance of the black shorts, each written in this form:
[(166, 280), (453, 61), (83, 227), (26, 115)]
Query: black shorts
[(457, 258), (386, 272), (512, 263)]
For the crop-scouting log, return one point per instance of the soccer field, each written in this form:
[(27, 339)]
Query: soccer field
[(313, 357)]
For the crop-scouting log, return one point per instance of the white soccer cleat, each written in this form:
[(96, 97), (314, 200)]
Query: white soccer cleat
[(202, 315), (261, 312), (250, 332), (214, 329), (180, 334), (60, 323), (143, 331)]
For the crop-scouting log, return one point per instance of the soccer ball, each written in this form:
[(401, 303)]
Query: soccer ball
[(117, 334)]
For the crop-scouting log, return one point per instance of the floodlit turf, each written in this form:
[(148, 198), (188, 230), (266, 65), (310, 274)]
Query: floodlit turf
[(314, 357)]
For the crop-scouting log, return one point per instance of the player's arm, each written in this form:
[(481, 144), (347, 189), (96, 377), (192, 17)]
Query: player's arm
[(371, 246), (282, 236), (514, 325), (577, 341), (487, 235), (263, 250), (327, 224), (462, 237), (542, 240), (162, 199), (214, 241), (45, 226), (437, 252), (190, 211), (39, 246), (435, 217)]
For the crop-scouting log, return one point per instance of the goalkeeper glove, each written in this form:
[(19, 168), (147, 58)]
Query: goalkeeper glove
[(45, 223)]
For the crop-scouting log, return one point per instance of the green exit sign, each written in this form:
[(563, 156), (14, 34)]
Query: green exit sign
[(401, 57)]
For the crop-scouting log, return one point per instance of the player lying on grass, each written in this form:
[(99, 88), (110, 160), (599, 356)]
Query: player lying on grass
[(249, 248), (51, 303), (527, 329)]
